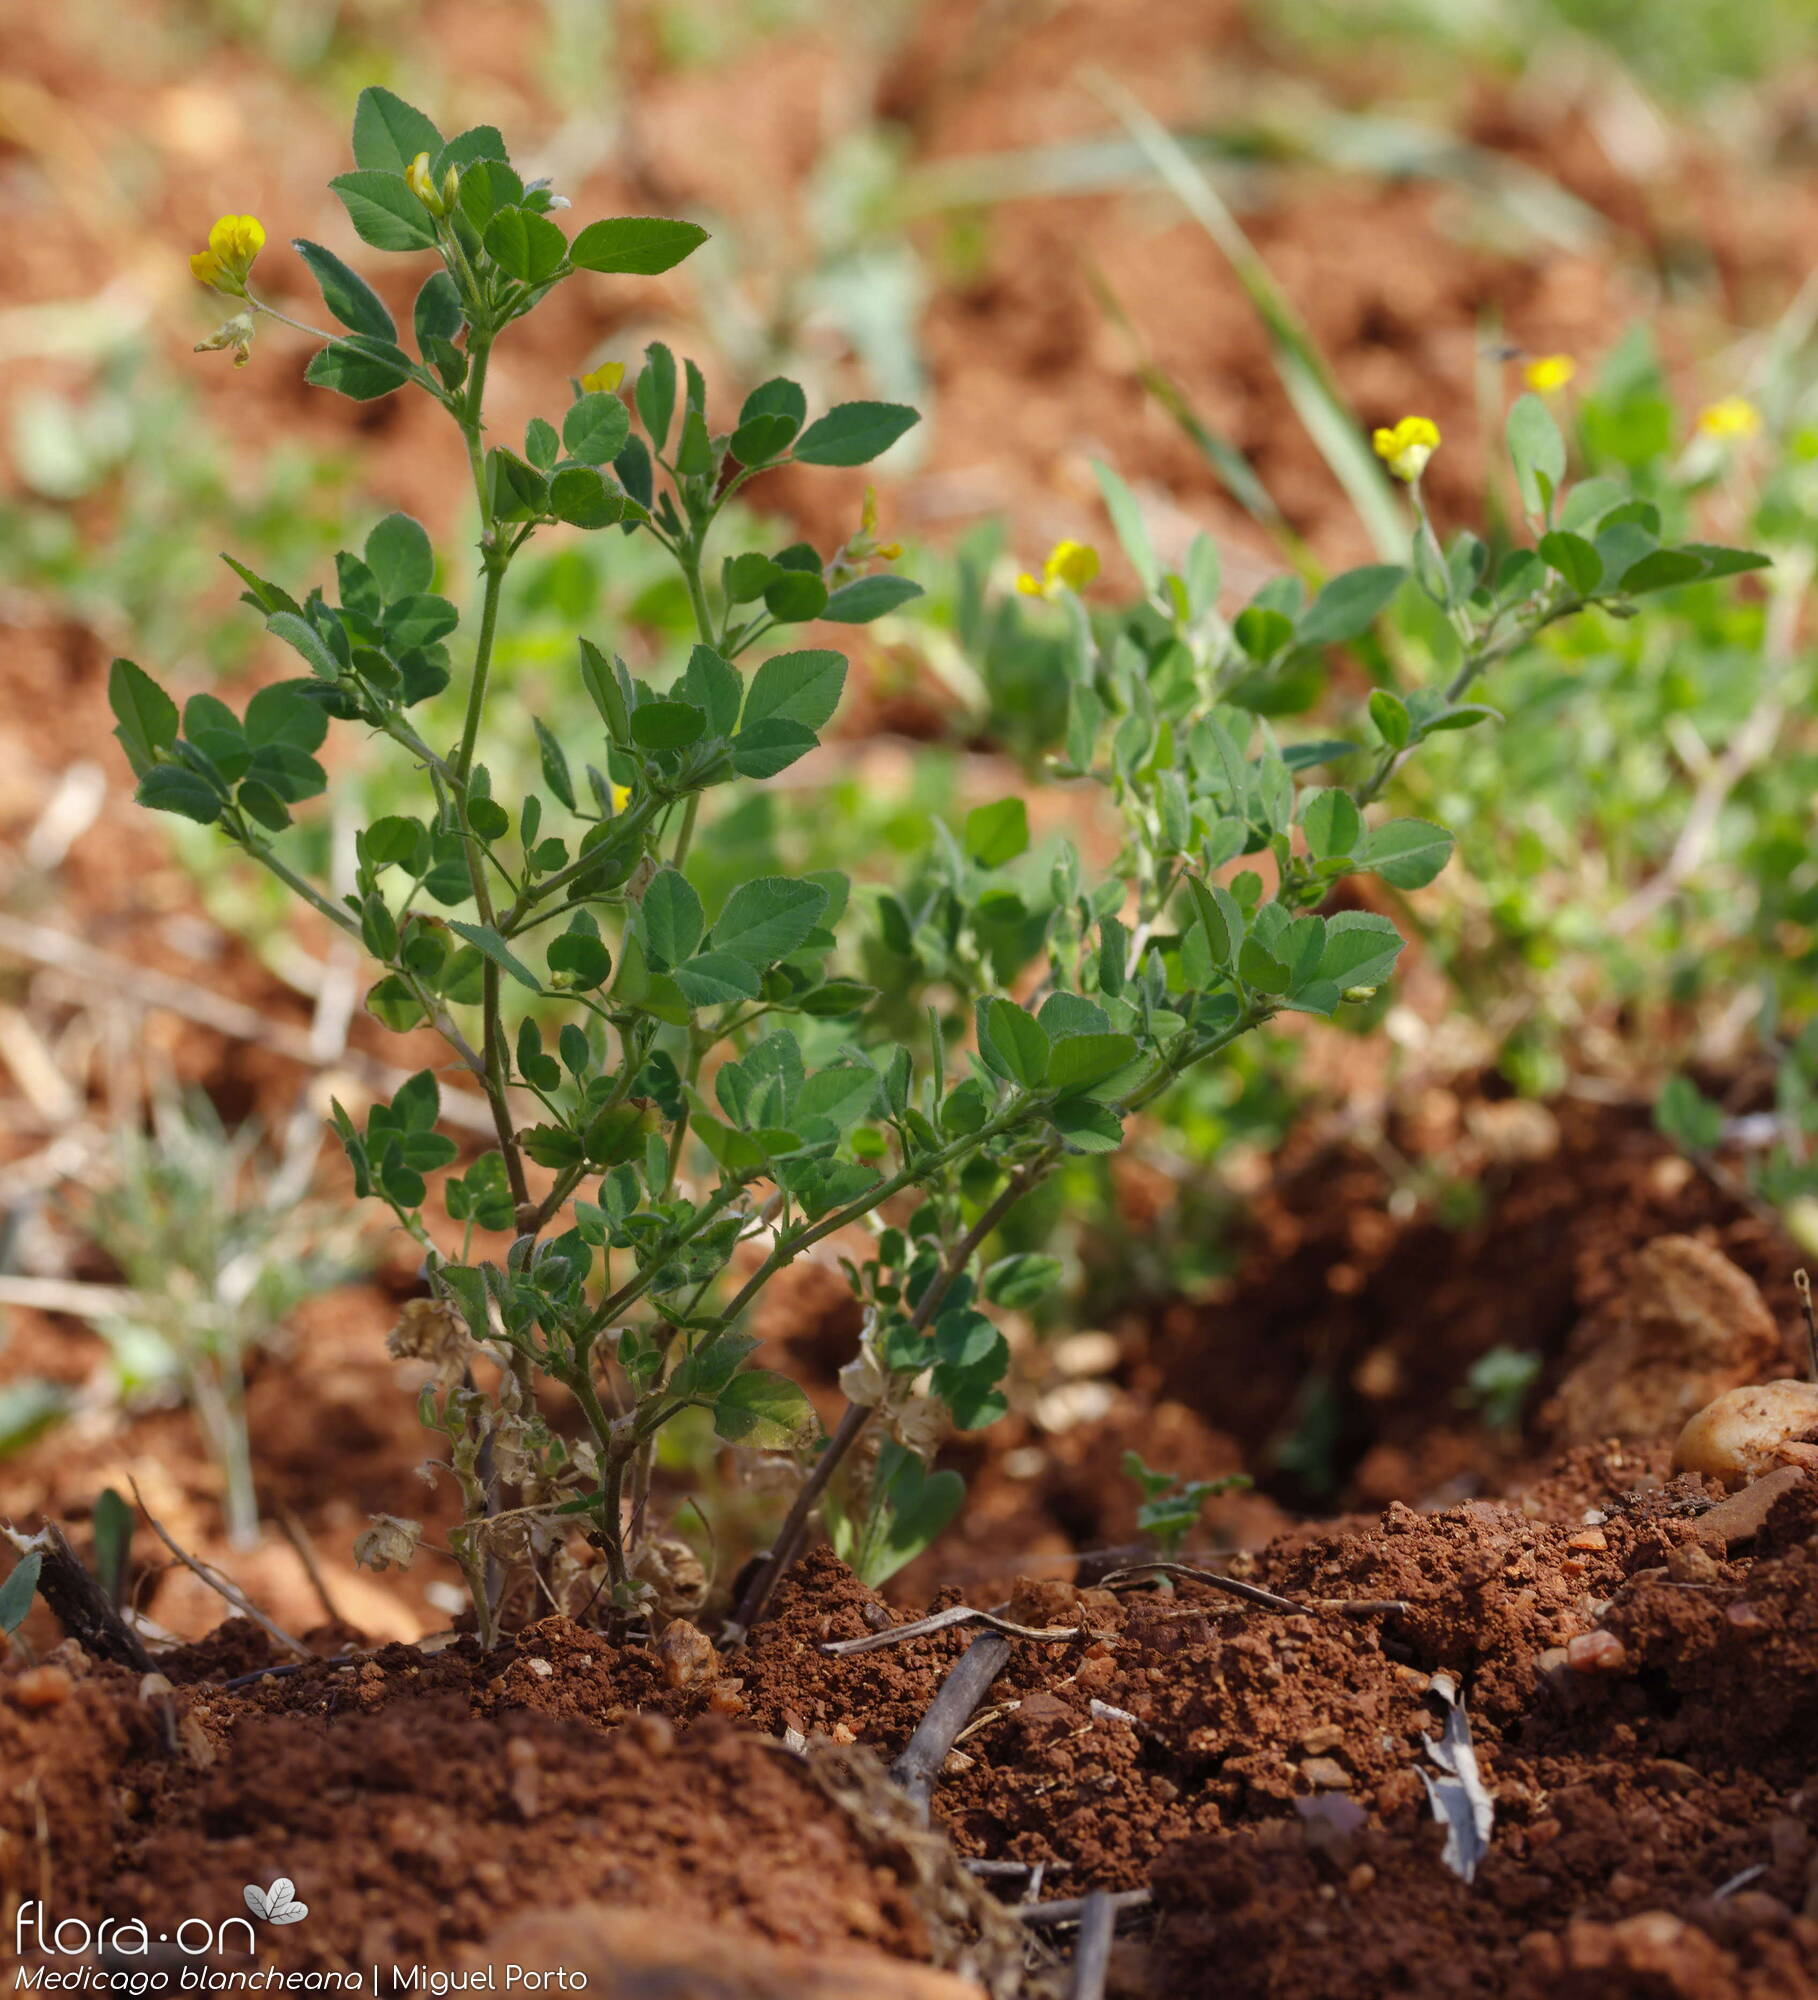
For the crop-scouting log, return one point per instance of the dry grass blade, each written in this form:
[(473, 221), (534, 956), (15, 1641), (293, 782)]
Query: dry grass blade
[(942, 1621), (1251, 1593)]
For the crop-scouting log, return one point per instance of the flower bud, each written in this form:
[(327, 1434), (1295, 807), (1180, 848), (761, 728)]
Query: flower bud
[(421, 183)]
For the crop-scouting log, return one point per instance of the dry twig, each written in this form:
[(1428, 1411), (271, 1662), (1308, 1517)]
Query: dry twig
[(223, 1586), (949, 1712)]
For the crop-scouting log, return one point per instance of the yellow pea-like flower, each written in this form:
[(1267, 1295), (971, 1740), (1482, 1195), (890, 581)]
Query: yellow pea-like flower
[(422, 183), (621, 797), (1405, 447), (1730, 417), (601, 381), (1070, 566), (233, 245), (1073, 564), (1549, 373)]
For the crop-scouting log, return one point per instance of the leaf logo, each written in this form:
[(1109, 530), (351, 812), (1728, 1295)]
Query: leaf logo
[(278, 1904)]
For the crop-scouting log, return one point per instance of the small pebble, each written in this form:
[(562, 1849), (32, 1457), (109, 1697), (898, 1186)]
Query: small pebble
[(1324, 1774), (43, 1687), (541, 1668), (1597, 1653)]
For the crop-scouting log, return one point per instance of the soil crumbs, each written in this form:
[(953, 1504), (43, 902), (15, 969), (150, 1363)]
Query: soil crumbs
[(1643, 1698)]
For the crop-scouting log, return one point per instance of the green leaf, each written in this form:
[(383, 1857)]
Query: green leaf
[(1719, 561), (765, 1410), (388, 133), (1661, 570), (654, 392), (1221, 919), (580, 959), (478, 142), (519, 492), (716, 978), (1390, 714), (635, 245), (596, 427), (169, 788), (1539, 452), (1573, 558), (581, 497), (554, 759), (843, 1095), (769, 747), (1087, 1127), (1080, 1061), (16, 1592), (279, 714), (1407, 853), (673, 917), (345, 293), (1132, 530), (1360, 949), (1332, 825), (998, 832), (667, 725), (527, 247), (485, 939), (1258, 966), (713, 684), (779, 397), (854, 433), (758, 440), (1012, 1042), (146, 715), (360, 376), (400, 557), (796, 687), (767, 919), (1687, 1117), (1021, 1281), (1349, 604), (384, 212), (870, 597)]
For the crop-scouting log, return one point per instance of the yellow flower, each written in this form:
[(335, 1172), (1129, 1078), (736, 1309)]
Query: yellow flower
[(1406, 448), (233, 244), (601, 381), (1732, 417), (422, 183), (621, 797), (1070, 566), (1547, 373)]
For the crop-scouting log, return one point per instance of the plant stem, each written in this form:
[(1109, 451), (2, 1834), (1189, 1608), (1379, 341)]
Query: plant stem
[(787, 1545)]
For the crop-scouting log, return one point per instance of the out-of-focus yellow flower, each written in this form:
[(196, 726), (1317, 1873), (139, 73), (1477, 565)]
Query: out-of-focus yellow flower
[(233, 244), (1406, 447), (422, 183), (621, 797), (1070, 566), (1549, 373), (1731, 417), (601, 381)]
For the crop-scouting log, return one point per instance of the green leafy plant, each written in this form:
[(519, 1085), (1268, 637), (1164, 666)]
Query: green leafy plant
[(1499, 1383), (688, 1092), (1172, 1505), (1780, 1164), (216, 1241)]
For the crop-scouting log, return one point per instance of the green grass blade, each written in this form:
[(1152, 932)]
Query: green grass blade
[(1315, 395)]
